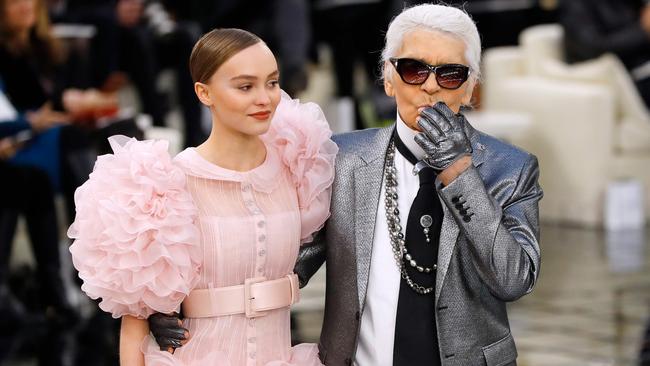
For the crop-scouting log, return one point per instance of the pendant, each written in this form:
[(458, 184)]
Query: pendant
[(426, 221)]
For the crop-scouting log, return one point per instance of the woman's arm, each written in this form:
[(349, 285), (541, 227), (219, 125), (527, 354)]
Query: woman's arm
[(132, 333)]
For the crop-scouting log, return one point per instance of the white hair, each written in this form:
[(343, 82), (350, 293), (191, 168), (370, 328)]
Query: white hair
[(435, 18)]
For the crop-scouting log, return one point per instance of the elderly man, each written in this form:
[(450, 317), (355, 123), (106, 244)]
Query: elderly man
[(434, 225)]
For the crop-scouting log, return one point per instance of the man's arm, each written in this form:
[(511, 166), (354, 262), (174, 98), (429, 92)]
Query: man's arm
[(504, 241), (310, 258)]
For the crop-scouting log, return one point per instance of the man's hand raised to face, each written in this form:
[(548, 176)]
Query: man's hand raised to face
[(443, 139)]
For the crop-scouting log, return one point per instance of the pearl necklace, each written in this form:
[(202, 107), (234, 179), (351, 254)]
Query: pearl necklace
[(398, 243)]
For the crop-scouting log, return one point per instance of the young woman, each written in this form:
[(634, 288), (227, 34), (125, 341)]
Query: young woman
[(217, 229)]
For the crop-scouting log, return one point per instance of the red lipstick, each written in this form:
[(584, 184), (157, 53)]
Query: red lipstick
[(261, 116)]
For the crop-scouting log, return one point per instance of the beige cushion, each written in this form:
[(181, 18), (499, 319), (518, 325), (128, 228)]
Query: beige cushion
[(632, 132)]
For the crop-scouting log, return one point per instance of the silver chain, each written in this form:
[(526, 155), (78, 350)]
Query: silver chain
[(397, 240)]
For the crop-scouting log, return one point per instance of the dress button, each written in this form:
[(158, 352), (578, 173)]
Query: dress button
[(262, 252), (251, 340), (262, 238), (260, 224), (260, 270), (251, 355)]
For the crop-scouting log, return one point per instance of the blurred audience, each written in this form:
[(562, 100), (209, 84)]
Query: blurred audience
[(621, 27), (644, 353), (354, 31), (500, 21), (27, 190), (283, 24), (33, 69), (138, 39)]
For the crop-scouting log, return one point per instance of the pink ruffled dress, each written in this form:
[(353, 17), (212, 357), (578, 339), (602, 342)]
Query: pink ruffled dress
[(150, 228)]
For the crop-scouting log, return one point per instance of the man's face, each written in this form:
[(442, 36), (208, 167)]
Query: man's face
[(433, 48)]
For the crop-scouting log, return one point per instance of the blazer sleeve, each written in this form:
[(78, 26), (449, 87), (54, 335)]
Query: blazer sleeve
[(310, 258), (503, 240)]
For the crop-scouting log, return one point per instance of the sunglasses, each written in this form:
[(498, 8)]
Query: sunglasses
[(414, 72)]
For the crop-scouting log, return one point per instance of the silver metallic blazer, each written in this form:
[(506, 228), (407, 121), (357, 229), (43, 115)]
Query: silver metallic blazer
[(485, 260)]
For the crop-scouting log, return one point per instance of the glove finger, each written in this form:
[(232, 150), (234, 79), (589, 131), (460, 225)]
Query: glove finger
[(434, 117), (437, 118), (164, 320), (425, 142), (431, 130), (448, 116), (165, 343), (173, 333)]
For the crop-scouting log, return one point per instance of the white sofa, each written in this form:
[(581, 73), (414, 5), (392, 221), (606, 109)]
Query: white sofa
[(589, 125)]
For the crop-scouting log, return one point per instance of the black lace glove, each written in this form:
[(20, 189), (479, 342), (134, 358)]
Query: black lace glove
[(442, 138), (168, 330)]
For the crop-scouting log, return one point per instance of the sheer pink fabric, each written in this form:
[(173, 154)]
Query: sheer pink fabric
[(136, 239), (249, 224)]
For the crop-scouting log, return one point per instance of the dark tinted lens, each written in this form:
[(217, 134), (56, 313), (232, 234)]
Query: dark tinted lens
[(412, 71), (452, 76)]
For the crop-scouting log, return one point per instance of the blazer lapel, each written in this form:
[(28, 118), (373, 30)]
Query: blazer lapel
[(449, 230), (367, 189)]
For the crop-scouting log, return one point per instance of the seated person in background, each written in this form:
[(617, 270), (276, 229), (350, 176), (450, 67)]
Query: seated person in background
[(139, 39), (621, 27), (34, 71), (33, 65), (27, 190)]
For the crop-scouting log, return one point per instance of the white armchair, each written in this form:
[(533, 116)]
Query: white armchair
[(589, 125)]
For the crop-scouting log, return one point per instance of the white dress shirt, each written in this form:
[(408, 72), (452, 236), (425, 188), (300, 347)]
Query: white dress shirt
[(377, 332)]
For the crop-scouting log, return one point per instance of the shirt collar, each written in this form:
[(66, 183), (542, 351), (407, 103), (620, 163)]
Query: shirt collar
[(407, 135)]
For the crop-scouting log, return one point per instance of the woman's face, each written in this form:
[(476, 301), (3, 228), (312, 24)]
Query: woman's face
[(19, 15), (244, 92), (433, 48)]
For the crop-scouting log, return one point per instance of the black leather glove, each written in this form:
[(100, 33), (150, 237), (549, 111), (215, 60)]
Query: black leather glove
[(168, 330), (442, 138)]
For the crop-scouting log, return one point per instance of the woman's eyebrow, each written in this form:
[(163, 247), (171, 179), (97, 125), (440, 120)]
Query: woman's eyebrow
[(253, 77), (244, 77)]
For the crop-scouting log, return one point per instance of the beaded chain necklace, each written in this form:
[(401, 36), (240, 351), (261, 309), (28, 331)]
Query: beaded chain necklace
[(397, 238)]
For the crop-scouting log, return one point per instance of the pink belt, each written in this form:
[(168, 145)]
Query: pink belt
[(253, 298)]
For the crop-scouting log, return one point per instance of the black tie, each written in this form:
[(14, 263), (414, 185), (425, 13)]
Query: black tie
[(416, 340)]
